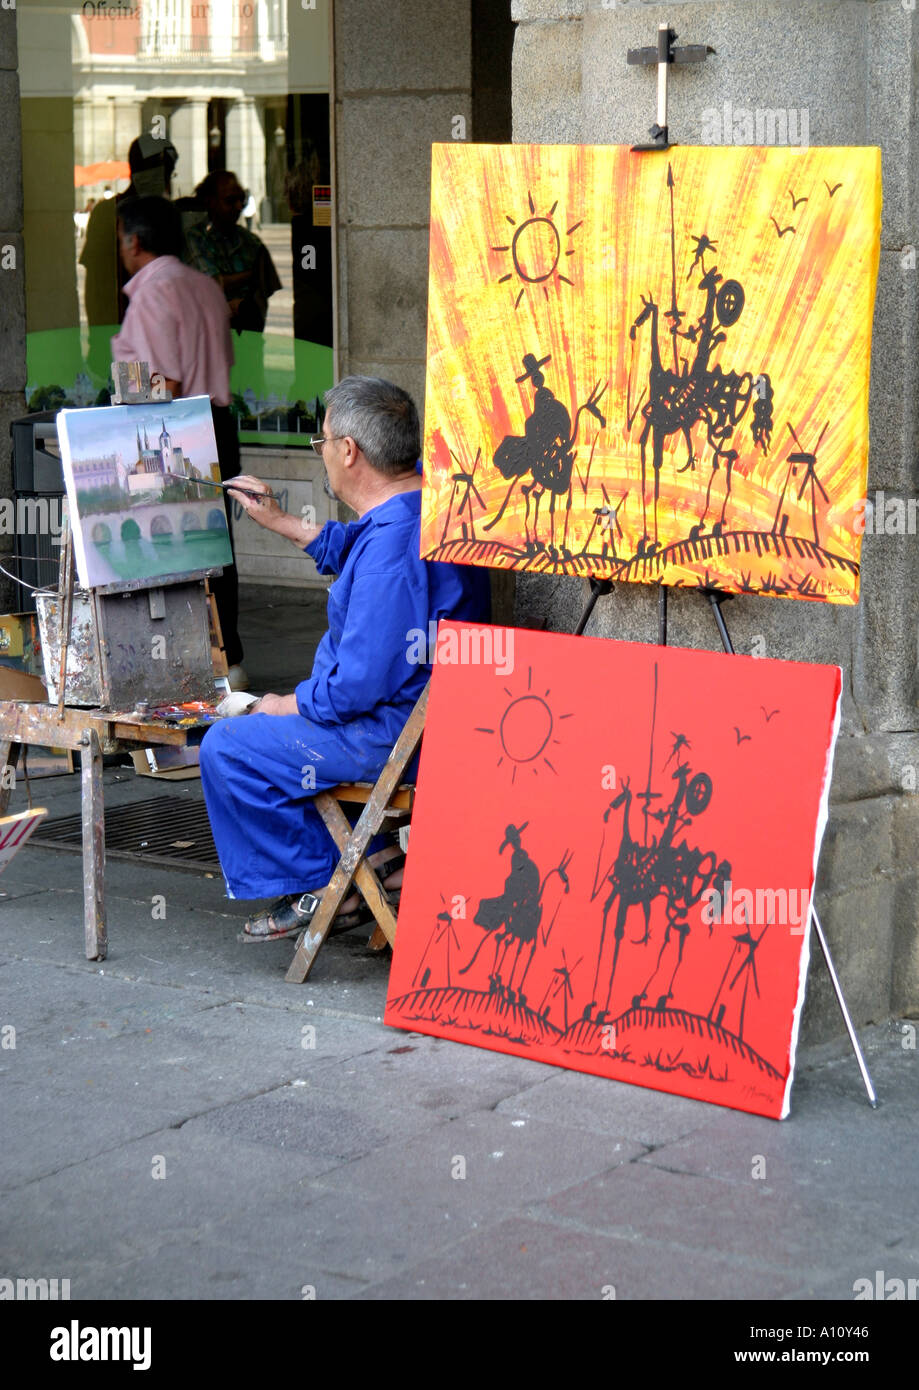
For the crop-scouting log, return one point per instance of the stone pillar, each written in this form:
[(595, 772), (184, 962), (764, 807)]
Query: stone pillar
[(188, 132), (395, 96), (128, 125), (850, 66), (12, 274), (82, 131), (245, 146)]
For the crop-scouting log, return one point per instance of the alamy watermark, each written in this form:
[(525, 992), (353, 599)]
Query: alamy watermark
[(31, 516), (27, 1290), (766, 125), (76, 1343), (469, 646), (885, 1290), (884, 515), (761, 907)]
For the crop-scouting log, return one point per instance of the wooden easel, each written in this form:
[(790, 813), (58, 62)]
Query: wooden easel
[(91, 732)]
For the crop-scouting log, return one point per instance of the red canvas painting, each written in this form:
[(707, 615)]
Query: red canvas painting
[(612, 857)]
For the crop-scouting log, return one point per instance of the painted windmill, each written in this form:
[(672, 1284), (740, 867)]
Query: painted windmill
[(607, 518), (442, 931), (464, 483), (746, 942), (810, 476), (562, 980)]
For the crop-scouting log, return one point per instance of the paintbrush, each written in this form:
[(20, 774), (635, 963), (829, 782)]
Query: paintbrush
[(246, 492)]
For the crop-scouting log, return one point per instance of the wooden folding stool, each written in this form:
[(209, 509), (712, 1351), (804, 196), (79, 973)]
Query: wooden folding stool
[(387, 800)]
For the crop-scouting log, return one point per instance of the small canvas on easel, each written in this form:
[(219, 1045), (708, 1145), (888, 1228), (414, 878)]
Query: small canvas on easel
[(612, 857), (15, 830), (142, 486), (652, 367)]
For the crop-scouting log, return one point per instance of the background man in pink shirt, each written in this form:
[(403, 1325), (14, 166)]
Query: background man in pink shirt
[(178, 321)]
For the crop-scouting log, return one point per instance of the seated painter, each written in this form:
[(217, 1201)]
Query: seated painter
[(260, 770)]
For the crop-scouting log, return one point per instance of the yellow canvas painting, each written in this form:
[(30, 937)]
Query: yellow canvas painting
[(652, 366)]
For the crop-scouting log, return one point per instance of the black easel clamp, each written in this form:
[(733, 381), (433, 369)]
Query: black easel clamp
[(662, 56)]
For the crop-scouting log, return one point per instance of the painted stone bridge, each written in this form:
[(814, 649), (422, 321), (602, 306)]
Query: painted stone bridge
[(157, 521)]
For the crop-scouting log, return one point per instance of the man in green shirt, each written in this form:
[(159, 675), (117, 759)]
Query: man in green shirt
[(230, 254)]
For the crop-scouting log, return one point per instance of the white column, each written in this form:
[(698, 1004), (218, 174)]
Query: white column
[(245, 146), (188, 132), (128, 125), (82, 132)]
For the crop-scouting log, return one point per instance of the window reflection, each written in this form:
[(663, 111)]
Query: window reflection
[(211, 80)]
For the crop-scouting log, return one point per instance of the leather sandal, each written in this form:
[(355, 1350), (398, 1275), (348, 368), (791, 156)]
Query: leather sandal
[(286, 917)]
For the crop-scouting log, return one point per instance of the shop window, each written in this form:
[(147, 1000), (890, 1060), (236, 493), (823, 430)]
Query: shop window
[(232, 85)]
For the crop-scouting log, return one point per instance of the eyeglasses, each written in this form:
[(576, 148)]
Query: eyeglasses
[(319, 440)]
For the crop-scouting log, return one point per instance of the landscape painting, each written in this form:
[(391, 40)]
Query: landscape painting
[(612, 858), (143, 487), (652, 366)]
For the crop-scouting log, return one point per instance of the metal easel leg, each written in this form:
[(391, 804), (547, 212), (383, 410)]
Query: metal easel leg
[(715, 600), (847, 1018), (598, 587)]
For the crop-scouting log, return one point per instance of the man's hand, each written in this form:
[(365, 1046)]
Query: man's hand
[(266, 510), (275, 704)]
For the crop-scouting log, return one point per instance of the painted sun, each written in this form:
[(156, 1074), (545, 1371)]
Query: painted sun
[(526, 729), (536, 249)]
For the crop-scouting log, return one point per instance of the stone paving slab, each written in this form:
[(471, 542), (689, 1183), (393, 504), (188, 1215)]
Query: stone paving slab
[(13, 889), (194, 949), (506, 1163), (367, 1234), (439, 1075), (610, 1107), (129, 879), (769, 1226), (315, 1125), (890, 1263), (178, 1070), (200, 1269), (522, 1258), (893, 1061), (79, 1002), (836, 1147), (114, 1209), (372, 1218), (45, 1132)]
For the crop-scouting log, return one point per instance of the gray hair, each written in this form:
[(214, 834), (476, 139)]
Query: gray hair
[(155, 222), (381, 419)]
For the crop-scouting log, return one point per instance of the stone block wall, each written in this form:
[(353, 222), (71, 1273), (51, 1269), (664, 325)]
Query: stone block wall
[(403, 75), (850, 66)]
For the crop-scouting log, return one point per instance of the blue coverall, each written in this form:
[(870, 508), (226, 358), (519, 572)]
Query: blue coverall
[(259, 771)]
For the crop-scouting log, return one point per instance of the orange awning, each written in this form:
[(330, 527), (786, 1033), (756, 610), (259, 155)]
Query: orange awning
[(105, 172)]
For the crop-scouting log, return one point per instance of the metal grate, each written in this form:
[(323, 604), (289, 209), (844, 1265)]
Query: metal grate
[(170, 831)]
